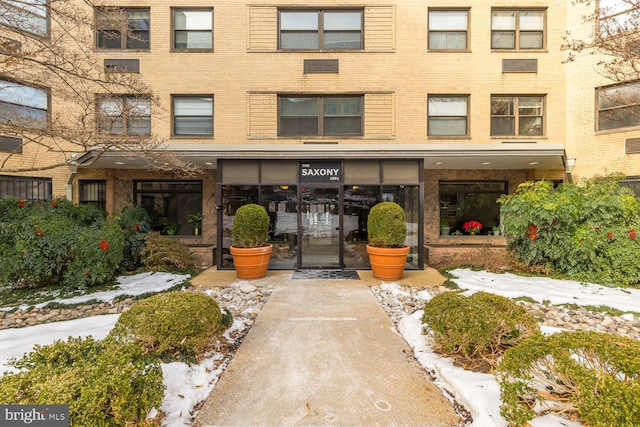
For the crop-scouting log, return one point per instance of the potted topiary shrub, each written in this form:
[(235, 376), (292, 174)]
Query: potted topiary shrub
[(387, 230), (250, 250)]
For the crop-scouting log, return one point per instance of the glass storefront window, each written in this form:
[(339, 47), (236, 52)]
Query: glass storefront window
[(169, 203), (281, 204), (408, 197), (233, 196), (358, 200)]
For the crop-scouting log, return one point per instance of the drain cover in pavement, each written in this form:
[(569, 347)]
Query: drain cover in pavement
[(325, 274)]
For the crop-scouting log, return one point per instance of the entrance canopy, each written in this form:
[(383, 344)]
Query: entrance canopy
[(549, 156)]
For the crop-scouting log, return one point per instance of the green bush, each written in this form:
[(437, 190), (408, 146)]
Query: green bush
[(387, 225), (476, 330), (172, 325), (104, 383), (250, 226), (135, 223), (594, 374), (587, 232), (167, 254)]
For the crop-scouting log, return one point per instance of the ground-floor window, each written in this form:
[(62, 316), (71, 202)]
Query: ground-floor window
[(93, 192), (28, 188), (169, 203), (633, 183), (462, 201)]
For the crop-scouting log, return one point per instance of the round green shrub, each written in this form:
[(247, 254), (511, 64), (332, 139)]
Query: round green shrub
[(593, 374), (250, 226), (168, 255), (477, 330), (104, 383), (171, 325), (386, 225)]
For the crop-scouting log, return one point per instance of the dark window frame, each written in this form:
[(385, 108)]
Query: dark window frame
[(125, 117), (518, 32), (30, 122), (320, 28), (122, 28), (517, 117), (466, 97), (432, 31), (174, 116), (633, 183), (625, 108), (321, 116), (18, 187), (175, 31), (94, 187)]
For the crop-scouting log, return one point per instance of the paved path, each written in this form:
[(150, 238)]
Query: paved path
[(324, 353)]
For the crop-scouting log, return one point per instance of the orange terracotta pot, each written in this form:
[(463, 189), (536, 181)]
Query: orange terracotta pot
[(251, 263), (387, 263)]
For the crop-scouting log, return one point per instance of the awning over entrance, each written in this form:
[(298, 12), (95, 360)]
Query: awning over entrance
[(549, 156)]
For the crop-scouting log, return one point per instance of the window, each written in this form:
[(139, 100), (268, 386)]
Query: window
[(448, 115), (25, 15), (517, 115), (192, 29), (28, 188), (462, 201), (193, 115), (93, 192), (517, 29), (124, 115), (309, 29), (616, 17), (619, 106), (23, 105), (169, 203), (320, 115), (448, 29), (122, 28), (633, 183)]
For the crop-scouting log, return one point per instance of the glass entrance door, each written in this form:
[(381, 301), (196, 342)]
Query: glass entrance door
[(320, 227)]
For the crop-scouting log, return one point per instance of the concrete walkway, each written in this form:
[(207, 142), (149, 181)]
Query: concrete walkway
[(324, 353)]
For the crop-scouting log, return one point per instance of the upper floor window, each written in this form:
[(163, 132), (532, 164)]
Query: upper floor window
[(448, 115), (192, 115), (23, 105), (25, 15), (193, 29), (124, 115), (619, 106), (517, 29), (448, 29), (320, 29), (320, 115), (517, 115), (119, 28), (616, 16)]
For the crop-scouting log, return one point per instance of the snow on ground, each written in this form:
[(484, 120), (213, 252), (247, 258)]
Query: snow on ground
[(478, 392)]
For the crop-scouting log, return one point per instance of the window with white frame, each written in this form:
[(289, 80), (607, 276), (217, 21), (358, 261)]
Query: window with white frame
[(517, 29), (618, 106), (25, 15), (193, 115), (320, 115), (448, 29), (193, 29), (517, 115), (122, 28), (320, 29), (448, 115), (124, 115), (23, 105)]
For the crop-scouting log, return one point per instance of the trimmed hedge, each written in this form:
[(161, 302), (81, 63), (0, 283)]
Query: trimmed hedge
[(103, 382), (174, 325), (595, 375), (476, 330), (167, 254)]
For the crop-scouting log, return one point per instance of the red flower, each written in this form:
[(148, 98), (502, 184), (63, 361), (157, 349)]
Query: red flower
[(87, 273), (39, 232), (104, 245), (21, 202), (533, 233), (136, 227), (632, 235), (54, 205), (472, 226), (610, 235), (631, 229)]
